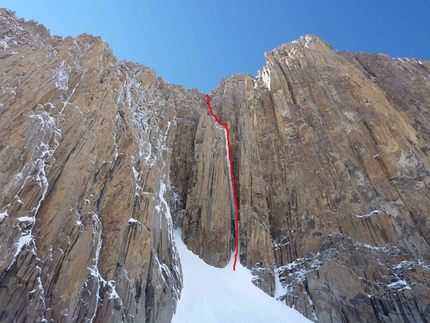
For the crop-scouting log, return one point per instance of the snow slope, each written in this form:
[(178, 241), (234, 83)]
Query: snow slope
[(213, 295)]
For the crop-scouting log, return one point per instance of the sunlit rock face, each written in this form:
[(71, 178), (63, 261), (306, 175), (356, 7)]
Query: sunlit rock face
[(99, 159), (85, 150), (331, 157)]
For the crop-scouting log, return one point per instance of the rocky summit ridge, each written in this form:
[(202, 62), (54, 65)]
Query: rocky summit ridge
[(100, 159)]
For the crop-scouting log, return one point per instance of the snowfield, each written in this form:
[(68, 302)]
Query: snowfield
[(213, 295)]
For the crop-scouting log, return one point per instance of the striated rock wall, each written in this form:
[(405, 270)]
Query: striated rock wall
[(100, 158), (332, 165), (207, 222), (85, 146)]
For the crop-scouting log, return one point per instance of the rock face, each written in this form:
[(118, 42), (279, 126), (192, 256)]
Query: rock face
[(86, 228), (207, 222), (99, 159), (332, 165)]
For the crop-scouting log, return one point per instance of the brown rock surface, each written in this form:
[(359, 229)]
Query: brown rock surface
[(332, 167), (98, 159), (207, 221), (86, 230)]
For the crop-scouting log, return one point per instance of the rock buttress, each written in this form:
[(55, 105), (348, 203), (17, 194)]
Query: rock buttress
[(85, 150), (332, 172), (207, 222)]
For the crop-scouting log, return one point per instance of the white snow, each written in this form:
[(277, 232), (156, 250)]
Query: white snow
[(3, 215), (23, 241), (62, 77), (44, 142), (405, 265), (94, 269), (399, 286), (30, 219), (308, 40), (369, 214), (131, 220), (3, 42), (265, 75), (281, 289), (222, 295)]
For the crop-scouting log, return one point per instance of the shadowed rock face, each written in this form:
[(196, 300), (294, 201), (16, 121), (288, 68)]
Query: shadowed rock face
[(99, 158)]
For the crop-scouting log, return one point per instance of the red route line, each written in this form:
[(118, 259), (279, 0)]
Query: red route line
[(230, 157)]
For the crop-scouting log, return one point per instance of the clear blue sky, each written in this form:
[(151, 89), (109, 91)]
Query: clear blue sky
[(198, 42)]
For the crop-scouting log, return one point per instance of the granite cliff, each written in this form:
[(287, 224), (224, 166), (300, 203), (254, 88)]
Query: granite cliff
[(100, 159)]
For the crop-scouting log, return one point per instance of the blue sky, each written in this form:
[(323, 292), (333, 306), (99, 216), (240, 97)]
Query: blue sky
[(198, 42)]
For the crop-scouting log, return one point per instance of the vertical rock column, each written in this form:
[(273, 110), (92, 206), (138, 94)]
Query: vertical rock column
[(237, 103), (208, 218)]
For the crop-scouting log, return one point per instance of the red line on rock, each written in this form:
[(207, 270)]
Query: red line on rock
[(230, 157)]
